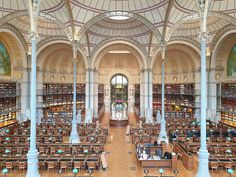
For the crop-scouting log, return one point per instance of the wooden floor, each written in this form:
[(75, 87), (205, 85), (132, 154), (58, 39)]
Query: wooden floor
[(122, 160)]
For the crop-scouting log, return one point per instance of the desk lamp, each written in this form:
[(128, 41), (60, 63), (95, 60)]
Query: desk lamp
[(176, 172), (146, 171), (5, 171), (161, 171), (230, 171), (75, 171)]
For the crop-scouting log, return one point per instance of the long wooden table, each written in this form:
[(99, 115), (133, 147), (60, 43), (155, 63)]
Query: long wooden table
[(185, 156), (162, 163)]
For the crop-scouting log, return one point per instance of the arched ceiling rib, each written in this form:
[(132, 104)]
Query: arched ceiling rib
[(162, 14)]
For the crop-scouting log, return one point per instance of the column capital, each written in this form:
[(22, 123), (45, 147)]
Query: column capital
[(90, 69), (74, 60), (142, 70), (203, 36), (148, 70)]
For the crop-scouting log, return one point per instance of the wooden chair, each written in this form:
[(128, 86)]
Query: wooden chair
[(79, 165), (63, 166), (21, 166), (228, 165), (9, 165), (91, 165), (213, 165), (51, 165)]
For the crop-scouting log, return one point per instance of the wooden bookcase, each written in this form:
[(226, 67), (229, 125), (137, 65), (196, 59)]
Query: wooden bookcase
[(8, 95), (100, 96), (137, 96), (228, 103), (179, 100), (58, 101)]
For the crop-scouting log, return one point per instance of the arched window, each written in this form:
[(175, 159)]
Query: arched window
[(119, 89), (231, 62)]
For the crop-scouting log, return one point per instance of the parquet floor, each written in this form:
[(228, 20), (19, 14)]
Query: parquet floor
[(121, 160)]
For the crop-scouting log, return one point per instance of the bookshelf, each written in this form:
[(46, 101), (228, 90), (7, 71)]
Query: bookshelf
[(137, 96), (58, 101), (179, 100), (8, 94), (100, 96), (227, 98)]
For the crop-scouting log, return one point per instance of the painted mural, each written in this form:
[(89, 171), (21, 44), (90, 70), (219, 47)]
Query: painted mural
[(5, 62), (231, 63)]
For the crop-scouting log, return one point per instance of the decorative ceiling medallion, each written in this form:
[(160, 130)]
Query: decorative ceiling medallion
[(52, 78), (218, 76), (175, 78), (185, 78)]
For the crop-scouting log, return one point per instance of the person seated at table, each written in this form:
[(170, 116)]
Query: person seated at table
[(143, 156)]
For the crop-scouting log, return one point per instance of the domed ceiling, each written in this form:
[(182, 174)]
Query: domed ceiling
[(148, 22)]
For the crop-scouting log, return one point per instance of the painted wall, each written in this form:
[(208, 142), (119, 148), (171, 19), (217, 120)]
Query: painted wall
[(231, 63), (5, 61)]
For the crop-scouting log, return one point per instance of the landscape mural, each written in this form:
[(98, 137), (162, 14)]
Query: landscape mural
[(5, 62), (231, 63)]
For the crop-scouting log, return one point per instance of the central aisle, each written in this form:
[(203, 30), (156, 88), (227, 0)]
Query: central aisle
[(122, 161)]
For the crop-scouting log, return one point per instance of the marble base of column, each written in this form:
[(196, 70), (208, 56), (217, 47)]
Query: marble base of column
[(203, 169), (149, 118), (163, 135), (88, 118), (74, 136), (32, 160)]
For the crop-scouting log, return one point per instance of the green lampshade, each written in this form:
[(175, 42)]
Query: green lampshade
[(161, 170), (75, 170), (7, 138), (188, 138), (5, 170), (7, 151), (7, 131), (59, 151), (230, 171), (86, 151)]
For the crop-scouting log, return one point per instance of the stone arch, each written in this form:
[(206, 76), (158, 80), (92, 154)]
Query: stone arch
[(16, 14), (103, 48), (222, 35), (111, 74), (17, 52), (52, 41), (223, 16), (194, 47)]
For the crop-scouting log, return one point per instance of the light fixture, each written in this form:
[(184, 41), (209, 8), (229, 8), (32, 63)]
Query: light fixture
[(118, 15), (176, 172), (230, 171), (161, 171), (146, 171), (75, 171)]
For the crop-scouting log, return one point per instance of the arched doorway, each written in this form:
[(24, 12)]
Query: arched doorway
[(119, 97)]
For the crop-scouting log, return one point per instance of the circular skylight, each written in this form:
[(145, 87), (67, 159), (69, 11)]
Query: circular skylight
[(119, 17)]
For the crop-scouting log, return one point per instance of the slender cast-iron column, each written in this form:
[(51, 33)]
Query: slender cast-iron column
[(74, 136), (32, 156), (203, 155), (163, 134)]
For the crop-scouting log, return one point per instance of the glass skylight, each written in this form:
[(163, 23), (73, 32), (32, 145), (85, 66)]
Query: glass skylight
[(119, 17)]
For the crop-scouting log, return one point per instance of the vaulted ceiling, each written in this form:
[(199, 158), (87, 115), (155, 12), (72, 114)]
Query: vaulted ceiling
[(148, 22)]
